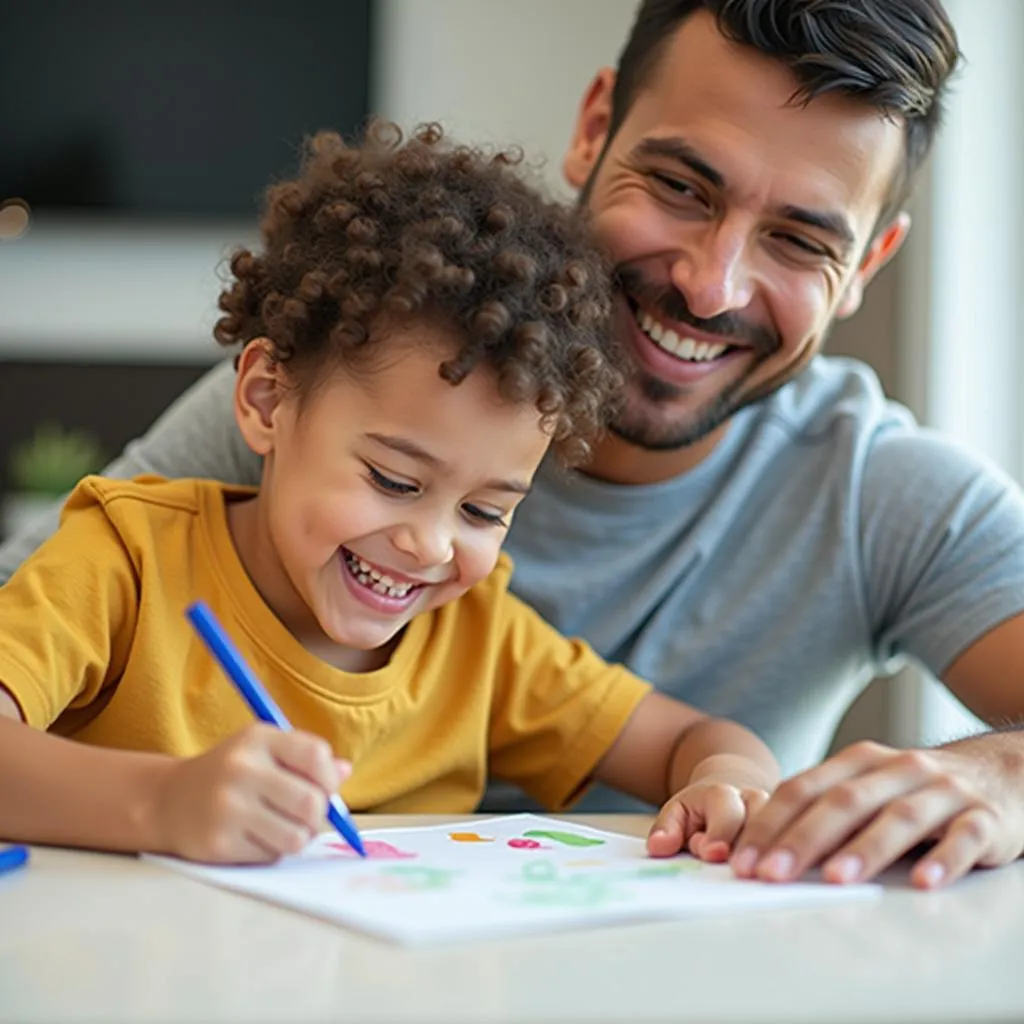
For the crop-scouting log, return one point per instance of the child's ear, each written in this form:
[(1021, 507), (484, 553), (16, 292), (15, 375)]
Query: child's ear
[(259, 390)]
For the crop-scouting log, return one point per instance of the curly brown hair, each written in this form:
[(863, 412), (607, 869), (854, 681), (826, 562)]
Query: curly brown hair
[(391, 230)]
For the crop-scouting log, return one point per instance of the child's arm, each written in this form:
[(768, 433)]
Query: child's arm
[(254, 797), (709, 773), (67, 619)]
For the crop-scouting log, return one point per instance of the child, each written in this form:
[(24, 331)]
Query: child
[(417, 332)]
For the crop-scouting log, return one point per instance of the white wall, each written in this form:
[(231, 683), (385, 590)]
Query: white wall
[(491, 70), (962, 363), (503, 71)]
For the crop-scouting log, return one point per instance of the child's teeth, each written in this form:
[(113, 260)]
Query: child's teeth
[(378, 582)]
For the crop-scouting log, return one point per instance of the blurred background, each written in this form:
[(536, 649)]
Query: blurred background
[(135, 139)]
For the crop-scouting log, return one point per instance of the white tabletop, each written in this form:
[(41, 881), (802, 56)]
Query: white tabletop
[(88, 936)]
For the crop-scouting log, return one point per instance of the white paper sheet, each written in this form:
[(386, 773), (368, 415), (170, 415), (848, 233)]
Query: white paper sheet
[(500, 876)]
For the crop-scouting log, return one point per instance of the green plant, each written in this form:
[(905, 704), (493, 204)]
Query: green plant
[(53, 460)]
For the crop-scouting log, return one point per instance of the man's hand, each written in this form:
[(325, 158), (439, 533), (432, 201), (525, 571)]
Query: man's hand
[(863, 809)]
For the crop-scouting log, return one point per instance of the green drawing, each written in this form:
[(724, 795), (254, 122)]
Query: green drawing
[(540, 884), (567, 838), (421, 878), (670, 869), (406, 878)]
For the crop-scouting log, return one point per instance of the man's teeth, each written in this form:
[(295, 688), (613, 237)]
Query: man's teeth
[(684, 348), (378, 582)]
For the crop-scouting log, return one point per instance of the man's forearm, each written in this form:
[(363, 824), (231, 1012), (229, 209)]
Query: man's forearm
[(995, 758)]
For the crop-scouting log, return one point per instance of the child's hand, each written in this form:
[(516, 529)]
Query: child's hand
[(704, 818), (250, 799)]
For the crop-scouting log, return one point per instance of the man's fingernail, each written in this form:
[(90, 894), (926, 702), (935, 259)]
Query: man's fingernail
[(744, 861), (657, 833), (846, 868), (931, 874), (777, 866)]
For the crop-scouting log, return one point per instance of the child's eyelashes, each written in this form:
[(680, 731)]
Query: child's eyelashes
[(491, 518), (385, 483), (401, 489)]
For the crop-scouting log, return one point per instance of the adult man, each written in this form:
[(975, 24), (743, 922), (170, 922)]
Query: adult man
[(761, 532)]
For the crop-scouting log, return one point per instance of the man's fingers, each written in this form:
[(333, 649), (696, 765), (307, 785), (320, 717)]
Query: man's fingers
[(812, 814), (834, 817), (791, 799), (902, 823), (966, 843)]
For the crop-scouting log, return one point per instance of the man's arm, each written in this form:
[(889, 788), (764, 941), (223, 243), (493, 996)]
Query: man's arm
[(943, 557), (196, 437)]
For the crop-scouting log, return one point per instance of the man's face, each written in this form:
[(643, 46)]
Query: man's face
[(739, 226)]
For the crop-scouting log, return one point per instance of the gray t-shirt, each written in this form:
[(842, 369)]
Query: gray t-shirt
[(825, 538)]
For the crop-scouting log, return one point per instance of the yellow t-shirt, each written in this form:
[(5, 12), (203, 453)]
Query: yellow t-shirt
[(94, 645)]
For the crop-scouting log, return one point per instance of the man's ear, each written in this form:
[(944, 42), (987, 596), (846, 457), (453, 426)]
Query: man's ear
[(591, 132), (883, 247), (259, 390)]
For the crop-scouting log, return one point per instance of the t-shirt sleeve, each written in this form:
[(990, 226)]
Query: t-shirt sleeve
[(196, 437), (67, 616), (942, 545), (558, 708)]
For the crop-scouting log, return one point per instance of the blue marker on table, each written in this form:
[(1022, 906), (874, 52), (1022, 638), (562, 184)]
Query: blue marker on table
[(261, 703), (12, 857)]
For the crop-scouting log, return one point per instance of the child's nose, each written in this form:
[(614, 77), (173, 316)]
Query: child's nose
[(428, 544)]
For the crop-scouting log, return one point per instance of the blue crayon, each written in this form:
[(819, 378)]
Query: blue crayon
[(263, 707)]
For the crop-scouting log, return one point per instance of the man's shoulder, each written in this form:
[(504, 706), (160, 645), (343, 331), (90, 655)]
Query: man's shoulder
[(835, 394)]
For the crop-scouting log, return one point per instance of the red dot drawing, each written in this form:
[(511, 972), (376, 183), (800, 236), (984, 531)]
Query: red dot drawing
[(526, 844)]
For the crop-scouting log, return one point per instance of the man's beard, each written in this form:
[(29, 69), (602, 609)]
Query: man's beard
[(637, 427)]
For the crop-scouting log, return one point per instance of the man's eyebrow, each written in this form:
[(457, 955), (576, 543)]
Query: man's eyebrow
[(684, 153), (681, 151), (833, 223), (406, 446)]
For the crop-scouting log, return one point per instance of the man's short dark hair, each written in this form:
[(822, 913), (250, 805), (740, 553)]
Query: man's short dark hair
[(894, 55)]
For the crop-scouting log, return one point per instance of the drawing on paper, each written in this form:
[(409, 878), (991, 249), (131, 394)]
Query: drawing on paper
[(375, 850), (469, 837), (669, 869), (512, 874), (540, 883), (566, 838), (406, 878)]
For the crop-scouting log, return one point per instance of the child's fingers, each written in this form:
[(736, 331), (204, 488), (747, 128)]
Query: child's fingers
[(274, 833), (306, 755), (724, 815), (668, 833), (294, 798)]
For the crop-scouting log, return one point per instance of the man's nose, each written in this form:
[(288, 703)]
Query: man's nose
[(713, 272)]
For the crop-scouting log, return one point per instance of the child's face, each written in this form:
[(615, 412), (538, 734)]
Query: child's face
[(383, 495)]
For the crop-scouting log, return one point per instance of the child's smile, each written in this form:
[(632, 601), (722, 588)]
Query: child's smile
[(384, 590)]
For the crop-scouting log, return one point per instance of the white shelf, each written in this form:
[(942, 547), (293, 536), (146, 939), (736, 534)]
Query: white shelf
[(101, 291)]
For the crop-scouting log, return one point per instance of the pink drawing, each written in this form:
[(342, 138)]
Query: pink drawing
[(375, 849), (526, 844)]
